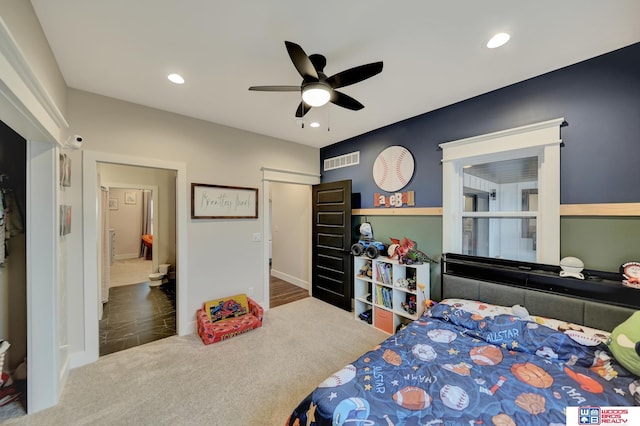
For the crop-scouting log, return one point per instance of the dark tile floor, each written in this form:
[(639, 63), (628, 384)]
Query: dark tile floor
[(137, 314)]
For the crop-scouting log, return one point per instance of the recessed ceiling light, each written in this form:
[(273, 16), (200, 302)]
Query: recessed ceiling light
[(315, 124), (498, 40), (175, 78)]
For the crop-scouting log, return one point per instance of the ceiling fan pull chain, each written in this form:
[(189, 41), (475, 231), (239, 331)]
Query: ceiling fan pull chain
[(328, 119)]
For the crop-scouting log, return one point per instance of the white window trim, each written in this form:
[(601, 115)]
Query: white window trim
[(539, 139)]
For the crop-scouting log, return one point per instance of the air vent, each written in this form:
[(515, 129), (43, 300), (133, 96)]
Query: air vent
[(340, 161)]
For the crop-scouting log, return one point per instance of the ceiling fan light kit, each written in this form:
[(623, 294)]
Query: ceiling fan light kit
[(316, 94), (317, 89)]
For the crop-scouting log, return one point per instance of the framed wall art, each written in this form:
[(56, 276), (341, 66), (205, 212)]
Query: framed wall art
[(113, 204), (65, 170), (223, 202), (129, 197), (65, 219)]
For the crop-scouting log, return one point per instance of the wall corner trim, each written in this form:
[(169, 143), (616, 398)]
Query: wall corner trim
[(280, 175), (22, 88)]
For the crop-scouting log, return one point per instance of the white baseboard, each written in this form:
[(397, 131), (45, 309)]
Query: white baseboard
[(64, 373), (81, 358), (290, 279), (126, 256)]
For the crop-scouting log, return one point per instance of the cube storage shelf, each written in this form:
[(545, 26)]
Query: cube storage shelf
[(383, 288)]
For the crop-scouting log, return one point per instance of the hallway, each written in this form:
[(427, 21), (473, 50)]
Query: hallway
[(136, 313), (282, 292)]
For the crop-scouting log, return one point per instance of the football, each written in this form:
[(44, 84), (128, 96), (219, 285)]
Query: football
[(412, 398), (486, 355)]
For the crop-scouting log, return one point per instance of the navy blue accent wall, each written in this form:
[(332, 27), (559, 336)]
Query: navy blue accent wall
[(600, 157)]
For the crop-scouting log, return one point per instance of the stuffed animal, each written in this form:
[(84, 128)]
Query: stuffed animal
[(521, 312), (625, 343)]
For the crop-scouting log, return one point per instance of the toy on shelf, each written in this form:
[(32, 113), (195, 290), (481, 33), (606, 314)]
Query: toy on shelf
[(366, 244), (631, 272), (366, 271), (366, 316), (407, 283), (571, 267), (409, 305), (406, 251)]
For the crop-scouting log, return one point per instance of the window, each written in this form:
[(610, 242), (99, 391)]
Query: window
[(501, 194)]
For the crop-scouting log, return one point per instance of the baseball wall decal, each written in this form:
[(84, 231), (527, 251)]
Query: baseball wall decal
[(393, 168)]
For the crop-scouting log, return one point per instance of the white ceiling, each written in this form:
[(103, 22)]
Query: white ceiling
[(434, 53)]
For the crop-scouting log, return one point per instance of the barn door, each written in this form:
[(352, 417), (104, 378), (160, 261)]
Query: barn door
[(332, 264)]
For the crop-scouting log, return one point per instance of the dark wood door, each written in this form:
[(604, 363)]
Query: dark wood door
[(332, 264)]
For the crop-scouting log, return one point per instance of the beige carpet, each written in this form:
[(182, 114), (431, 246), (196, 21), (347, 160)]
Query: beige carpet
[(253, 379)]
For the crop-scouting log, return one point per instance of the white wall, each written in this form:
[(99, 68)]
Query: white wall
[(126, 220), (222, 258), (33, 100), (20, 18), (164, 243), (291, 226)]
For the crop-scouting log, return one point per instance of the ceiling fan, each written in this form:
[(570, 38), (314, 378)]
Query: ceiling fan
[(317, 89)]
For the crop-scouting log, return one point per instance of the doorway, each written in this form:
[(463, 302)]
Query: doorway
[(290, 217), (169, 245), (277, 177), (136, 309), (13, 280)]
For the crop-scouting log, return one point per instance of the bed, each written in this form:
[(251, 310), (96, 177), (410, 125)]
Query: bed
[(470, 361)]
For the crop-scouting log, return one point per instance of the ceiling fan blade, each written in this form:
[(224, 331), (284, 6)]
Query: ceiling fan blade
[(275, 88), (345, 101), (301, 61), (303, 108), (354, 75)]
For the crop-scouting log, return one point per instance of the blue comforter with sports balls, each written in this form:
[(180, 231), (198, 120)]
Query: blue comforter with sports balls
[(455, 367)]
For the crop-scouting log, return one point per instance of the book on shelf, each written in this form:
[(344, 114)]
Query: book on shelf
[(385, 296), (384, 273), (389, 295)]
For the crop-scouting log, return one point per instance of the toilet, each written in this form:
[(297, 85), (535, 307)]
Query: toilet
[(158, 278)]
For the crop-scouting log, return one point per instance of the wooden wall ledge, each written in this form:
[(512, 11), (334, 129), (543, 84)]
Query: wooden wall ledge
[(603, 209), (390, 211), (611, 209)]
